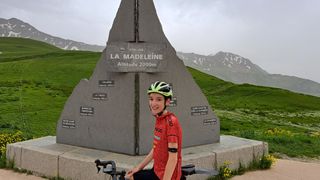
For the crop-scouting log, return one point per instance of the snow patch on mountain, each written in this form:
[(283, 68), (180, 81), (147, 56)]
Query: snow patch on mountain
[(195, 61), (14, 34), (74, 48)]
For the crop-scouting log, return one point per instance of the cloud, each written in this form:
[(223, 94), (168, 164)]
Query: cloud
[(281, 36), (86, 21)]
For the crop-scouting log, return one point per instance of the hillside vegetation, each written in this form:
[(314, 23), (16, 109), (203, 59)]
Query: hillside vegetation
[(19, 49), (288, 121), (36, 79)]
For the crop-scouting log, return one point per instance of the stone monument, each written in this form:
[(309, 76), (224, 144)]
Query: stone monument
[(110, 110), (107, 117)]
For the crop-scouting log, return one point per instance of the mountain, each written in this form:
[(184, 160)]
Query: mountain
[(226, 66), (237, 69), (16, 28)]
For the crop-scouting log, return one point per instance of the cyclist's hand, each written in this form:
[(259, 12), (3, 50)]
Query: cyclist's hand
[(130, 173)]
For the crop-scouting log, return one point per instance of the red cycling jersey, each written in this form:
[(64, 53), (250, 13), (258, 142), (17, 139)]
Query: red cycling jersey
[(167, 130)]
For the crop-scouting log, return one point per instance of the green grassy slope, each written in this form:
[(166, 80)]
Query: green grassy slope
[(226, 95), (18, 48), (33, 91), (288, 121)]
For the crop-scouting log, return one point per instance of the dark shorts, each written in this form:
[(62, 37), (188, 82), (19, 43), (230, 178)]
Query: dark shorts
[(146, 174)]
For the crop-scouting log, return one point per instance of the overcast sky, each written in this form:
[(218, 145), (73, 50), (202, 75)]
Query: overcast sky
[(281, 36)]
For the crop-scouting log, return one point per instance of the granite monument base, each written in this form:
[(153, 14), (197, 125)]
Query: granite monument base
[(44, 156)]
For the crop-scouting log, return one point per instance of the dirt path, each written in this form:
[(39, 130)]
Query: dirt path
[(283, 170), (11, 175)]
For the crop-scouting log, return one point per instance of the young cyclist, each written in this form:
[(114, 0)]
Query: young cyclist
[(166, 151)]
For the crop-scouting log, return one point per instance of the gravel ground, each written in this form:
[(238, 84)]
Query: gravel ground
[(283, 170), (286, 170)]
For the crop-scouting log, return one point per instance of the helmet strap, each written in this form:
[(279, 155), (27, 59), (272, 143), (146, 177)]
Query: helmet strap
[(160, 113)]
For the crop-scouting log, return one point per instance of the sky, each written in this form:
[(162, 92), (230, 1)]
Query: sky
[(280, 36)]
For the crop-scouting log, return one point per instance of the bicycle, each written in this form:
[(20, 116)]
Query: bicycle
[(109, 167)]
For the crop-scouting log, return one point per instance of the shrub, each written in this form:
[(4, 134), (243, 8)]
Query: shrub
[(267, 161), (224, 172), (277, 132), (9, 138), (315, 134)]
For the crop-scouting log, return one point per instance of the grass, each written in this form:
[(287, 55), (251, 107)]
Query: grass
[(295, 139), (34, 88), (226, 95), (19, 48), (36, 79), (249, 111)]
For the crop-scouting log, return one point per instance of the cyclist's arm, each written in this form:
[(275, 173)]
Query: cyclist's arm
[(171, 163), (145, 162)]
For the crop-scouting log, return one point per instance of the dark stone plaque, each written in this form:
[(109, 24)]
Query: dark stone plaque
[(99, 96), (106, 83), (173, 102), (69, 124), (199, 110), (207, 122), (86, 111), (136, 57)]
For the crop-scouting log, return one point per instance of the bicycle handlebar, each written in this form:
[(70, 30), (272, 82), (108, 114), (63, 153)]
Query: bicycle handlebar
[(109, 167)]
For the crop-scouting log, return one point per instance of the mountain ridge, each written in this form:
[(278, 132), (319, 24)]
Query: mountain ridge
[(224, 65), (234, 68), (14, 27)]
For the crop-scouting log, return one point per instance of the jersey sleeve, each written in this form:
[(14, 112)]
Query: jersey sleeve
[(172, 130)]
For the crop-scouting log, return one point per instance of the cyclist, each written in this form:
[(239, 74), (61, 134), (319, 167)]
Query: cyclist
[(166, 151)]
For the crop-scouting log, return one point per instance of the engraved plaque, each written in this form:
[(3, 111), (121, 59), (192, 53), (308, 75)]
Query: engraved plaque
[(106, 83), (207, 122), (99, 96), (69, 124), (86, 111), (199, 110), (136, 57)]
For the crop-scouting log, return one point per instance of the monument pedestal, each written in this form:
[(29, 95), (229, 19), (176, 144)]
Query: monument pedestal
[(44, 156)]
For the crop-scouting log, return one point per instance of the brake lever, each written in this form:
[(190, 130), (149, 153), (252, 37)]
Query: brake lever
[(98, 168)]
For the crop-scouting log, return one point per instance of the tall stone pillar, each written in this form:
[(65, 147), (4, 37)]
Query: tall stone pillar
[(110, 110)]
